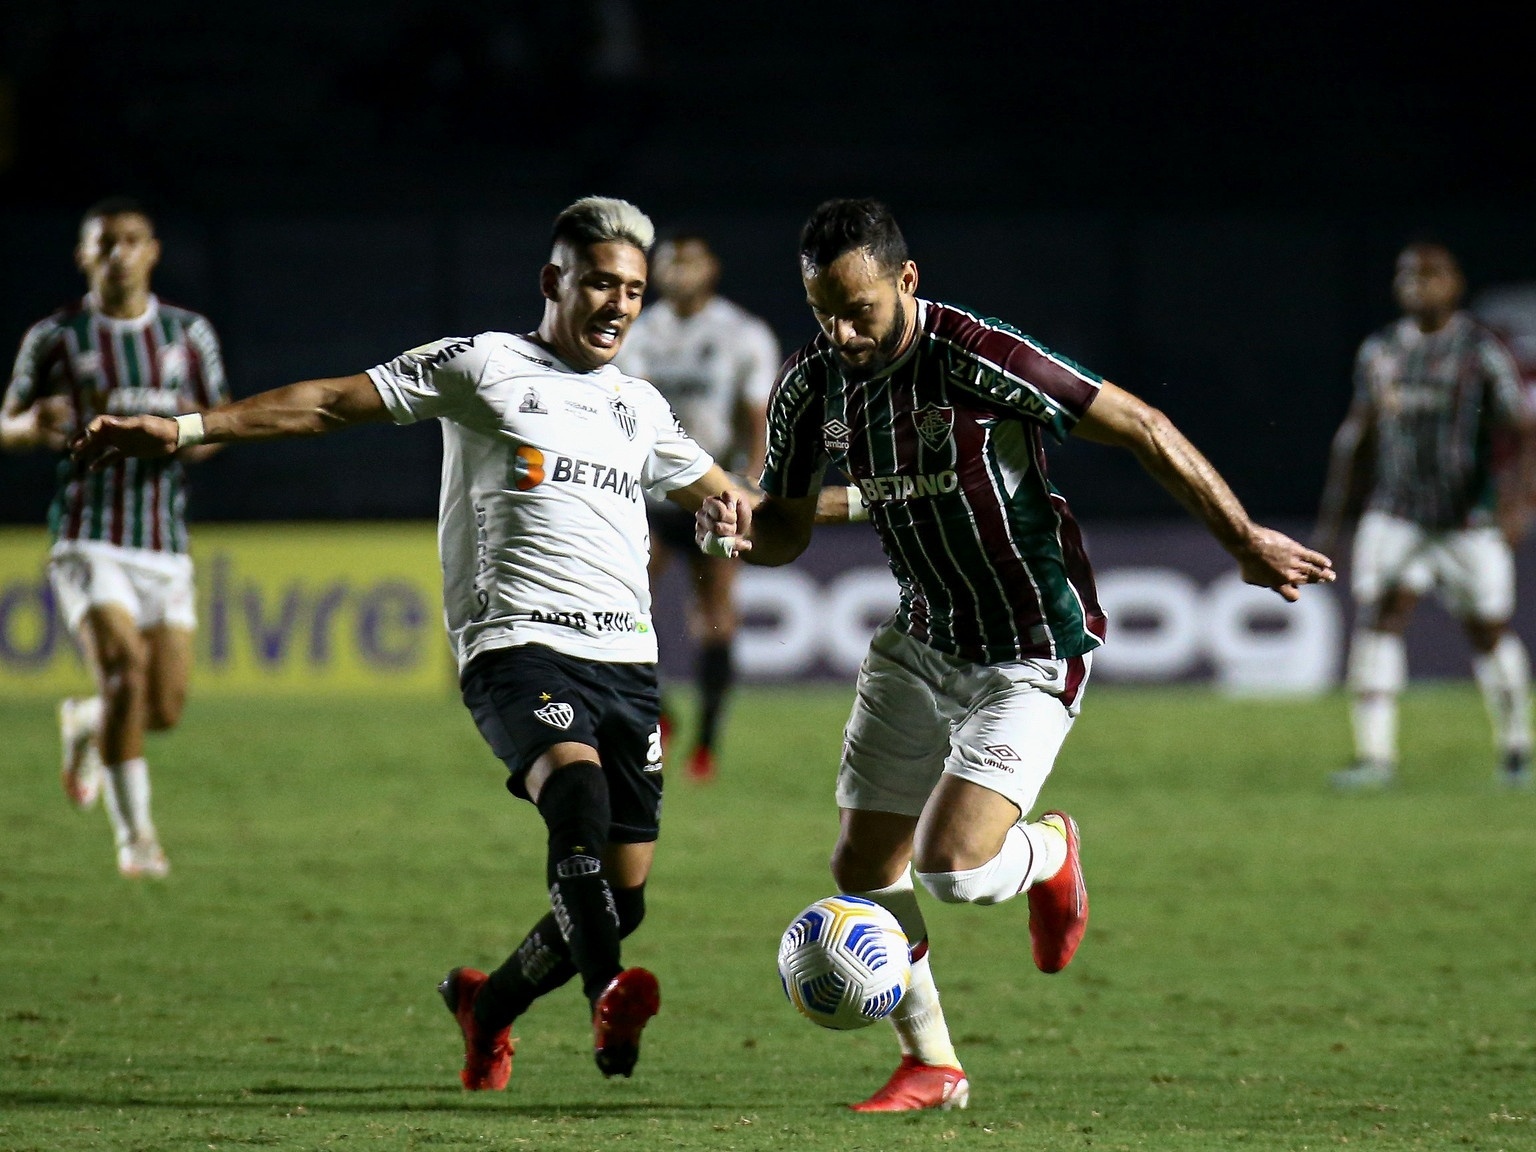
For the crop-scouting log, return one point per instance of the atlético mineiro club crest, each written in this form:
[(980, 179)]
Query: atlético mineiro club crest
[(625, 415), (935, 424), (834, 434), (557, 714)]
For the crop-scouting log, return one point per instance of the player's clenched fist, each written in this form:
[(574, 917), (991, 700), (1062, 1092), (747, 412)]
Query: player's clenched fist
[(107, 438), (722, 524)]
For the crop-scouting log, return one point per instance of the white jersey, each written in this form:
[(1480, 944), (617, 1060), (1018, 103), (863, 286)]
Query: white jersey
[(542, 527), (704, 364)]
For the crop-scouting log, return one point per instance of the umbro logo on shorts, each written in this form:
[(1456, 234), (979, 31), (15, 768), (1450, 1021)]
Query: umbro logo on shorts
[(557, 715)]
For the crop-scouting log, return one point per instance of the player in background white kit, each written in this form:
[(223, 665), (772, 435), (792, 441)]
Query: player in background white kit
[(715, 363), (548, 452)]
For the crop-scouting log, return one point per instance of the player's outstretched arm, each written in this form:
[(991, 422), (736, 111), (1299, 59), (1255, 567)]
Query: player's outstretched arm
[(308, 408), (1265, 557), (769, 530)]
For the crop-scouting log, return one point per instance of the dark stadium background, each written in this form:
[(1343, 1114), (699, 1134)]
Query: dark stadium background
[(1201, 200)]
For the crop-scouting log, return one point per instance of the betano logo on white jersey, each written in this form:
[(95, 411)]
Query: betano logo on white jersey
[(542, 525)]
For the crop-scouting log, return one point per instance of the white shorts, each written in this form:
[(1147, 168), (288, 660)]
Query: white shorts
[(154, 587), (1471, 569), (920, 714)]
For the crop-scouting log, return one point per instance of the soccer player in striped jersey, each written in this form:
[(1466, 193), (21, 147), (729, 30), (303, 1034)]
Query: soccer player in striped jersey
[(119, 567), (548, 453), (1437, 405), (715, 363), (967, 693)]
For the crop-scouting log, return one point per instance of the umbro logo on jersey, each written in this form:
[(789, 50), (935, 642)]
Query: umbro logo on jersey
[(935, 424), (557, 715), (625, 415), (531, 403), (834, 433)]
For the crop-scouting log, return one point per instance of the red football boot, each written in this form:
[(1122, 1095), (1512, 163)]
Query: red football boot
[(915, 1086), (1058, 907), (625, 1007), (701, 765), (487, 1059)]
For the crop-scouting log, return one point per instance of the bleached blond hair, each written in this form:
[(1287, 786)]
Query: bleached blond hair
[(603, 220)]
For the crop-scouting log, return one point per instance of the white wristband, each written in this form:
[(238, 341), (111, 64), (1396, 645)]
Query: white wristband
[(189, 430), (721, 547), (857, 509)]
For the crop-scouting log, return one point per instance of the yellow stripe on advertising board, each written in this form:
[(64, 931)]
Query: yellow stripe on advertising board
[(283, 609)]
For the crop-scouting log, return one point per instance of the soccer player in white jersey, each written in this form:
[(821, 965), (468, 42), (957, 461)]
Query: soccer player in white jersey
[(119, 568), (548, 451), (968, 692), (715, 363), (1437, 407)]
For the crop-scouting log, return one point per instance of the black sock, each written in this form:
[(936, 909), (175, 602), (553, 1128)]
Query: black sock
[(542, 963), (715, 674), (574, 804)]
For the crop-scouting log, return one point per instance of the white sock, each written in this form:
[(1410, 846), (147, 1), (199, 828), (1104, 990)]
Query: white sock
[(127, 801), (1504, 675), (1030, 852), (1378, 668), (87, 712), (918, 1018)]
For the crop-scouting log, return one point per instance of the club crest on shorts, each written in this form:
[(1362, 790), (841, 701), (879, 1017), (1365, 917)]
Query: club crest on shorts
[(625, 415), (557, 714), (935, 424), (834, 433)]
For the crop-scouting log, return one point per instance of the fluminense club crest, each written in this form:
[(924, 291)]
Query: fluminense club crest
[(834, 434), (625, 415), (557, 714), (935, 423)]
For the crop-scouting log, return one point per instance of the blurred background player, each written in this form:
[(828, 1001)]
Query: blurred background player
[(967, 693), (1436, 411), (544, 443), (715, 363), (121, 575)]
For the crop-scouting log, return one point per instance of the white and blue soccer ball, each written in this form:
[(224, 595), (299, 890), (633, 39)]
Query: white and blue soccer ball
[(844, 962)]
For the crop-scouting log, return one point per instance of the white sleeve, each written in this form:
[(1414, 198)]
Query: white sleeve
[(676, 460), (760, 362), (437, 379)]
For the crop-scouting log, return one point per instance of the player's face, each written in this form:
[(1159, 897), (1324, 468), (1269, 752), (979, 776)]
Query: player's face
[(1428, 281), (684, 270), (118, 253), (594, 296), (866, 311)]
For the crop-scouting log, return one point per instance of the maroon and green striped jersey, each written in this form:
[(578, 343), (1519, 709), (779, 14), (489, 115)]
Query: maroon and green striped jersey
[(946, 446), (163, 362), (1439, 402)]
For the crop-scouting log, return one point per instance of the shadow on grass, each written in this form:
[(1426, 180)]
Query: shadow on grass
[(268, 1097)]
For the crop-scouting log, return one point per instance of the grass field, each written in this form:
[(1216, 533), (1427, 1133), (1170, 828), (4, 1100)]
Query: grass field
[(1268, 966)]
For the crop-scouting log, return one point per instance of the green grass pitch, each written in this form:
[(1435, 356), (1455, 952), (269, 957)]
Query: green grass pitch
[(1269, 966)]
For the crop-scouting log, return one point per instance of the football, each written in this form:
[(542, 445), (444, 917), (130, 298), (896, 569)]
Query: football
[(844, 962)]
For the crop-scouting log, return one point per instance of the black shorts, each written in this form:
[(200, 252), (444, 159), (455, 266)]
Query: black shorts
[(671, 525), (527, 699)]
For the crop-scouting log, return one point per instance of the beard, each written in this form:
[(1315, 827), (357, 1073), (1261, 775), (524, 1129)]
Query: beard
[(885, 351)]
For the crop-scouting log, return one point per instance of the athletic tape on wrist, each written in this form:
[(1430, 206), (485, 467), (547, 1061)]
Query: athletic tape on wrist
[(721, 547), (189, 430), (857, 509)]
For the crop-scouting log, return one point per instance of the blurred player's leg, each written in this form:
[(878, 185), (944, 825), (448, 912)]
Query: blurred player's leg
[(1378, 668), (1480, 584), (122, 665), (80, 763), (714, 585)]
